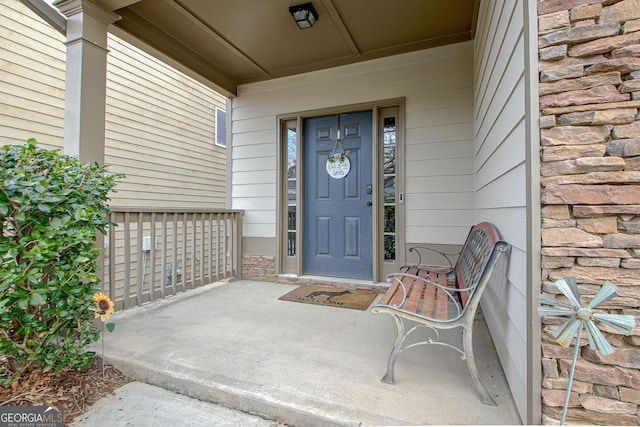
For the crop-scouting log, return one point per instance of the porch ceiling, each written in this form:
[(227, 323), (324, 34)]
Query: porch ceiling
[(241, 41)]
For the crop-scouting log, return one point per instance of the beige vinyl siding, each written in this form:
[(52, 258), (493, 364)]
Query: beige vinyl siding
[(437, 85), (32, 70), (500, 178), (161, 133), (160, 124)]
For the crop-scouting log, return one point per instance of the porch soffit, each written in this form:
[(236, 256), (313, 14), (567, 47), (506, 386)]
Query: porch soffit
[(230, 43)]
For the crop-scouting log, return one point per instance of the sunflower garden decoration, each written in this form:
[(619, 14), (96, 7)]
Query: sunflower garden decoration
[(104, 309), (577, 316)]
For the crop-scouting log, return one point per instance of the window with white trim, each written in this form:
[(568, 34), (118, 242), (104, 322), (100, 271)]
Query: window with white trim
[(221, 127)]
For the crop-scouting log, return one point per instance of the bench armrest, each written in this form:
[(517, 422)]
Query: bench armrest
[(446, 256)]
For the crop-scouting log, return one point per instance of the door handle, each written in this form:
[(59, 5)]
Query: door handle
[(369, 203)]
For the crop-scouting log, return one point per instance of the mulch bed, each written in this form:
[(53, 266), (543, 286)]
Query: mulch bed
[(75, 390)]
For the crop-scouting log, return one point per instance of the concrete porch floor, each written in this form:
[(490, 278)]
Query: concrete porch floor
[(238, 345)]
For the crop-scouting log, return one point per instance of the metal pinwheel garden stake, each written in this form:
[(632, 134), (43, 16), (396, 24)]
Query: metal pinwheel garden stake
[(579, 316)]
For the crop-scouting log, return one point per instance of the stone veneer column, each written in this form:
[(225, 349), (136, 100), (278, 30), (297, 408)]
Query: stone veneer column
[(589, 53)]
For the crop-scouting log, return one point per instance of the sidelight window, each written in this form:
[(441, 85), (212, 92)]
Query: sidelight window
[(291, 191), (389, 176)]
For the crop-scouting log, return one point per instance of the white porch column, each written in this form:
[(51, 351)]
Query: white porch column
[(86, 78), (86, 87)]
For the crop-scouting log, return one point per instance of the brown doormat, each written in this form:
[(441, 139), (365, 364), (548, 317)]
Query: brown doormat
[(359, 299)]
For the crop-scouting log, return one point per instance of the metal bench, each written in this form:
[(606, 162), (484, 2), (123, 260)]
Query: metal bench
[(445, 299)]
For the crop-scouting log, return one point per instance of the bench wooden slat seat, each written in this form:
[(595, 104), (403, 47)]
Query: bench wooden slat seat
[(445, 299)]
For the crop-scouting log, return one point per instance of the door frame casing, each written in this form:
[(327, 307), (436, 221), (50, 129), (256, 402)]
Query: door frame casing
[(292, 266)]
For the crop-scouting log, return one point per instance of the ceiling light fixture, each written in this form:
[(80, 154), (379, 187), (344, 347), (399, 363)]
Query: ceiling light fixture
[(304, 14)]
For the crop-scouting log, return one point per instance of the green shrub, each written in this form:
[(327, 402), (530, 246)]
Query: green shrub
[(52, 207)]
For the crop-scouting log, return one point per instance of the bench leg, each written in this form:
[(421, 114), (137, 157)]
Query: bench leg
[(395, 352), (471, 364)]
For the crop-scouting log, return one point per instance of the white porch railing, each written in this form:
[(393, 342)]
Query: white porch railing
[(154, 253)]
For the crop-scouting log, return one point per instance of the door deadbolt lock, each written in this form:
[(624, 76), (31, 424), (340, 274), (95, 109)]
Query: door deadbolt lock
[(369, 189)]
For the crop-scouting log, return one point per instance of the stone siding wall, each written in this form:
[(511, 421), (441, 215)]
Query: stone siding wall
[(259, 267), (589, 53)]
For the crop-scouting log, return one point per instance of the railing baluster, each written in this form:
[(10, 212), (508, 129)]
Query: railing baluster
[(217, 247), (139, 261), (202, 258), (112, 256), (237, 233), (232, 245), (127, 260), (225, 245), (194, 258), (152, 261), (174, 270), (210, 253), (240, 248), (163, 263), (184, 251)]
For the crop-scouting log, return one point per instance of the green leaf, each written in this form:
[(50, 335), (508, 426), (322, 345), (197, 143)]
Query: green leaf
[(110, 326), (56, 223), (37, 299), (44, 208)]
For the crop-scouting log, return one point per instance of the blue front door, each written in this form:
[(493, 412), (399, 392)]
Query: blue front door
[(337, 210)]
